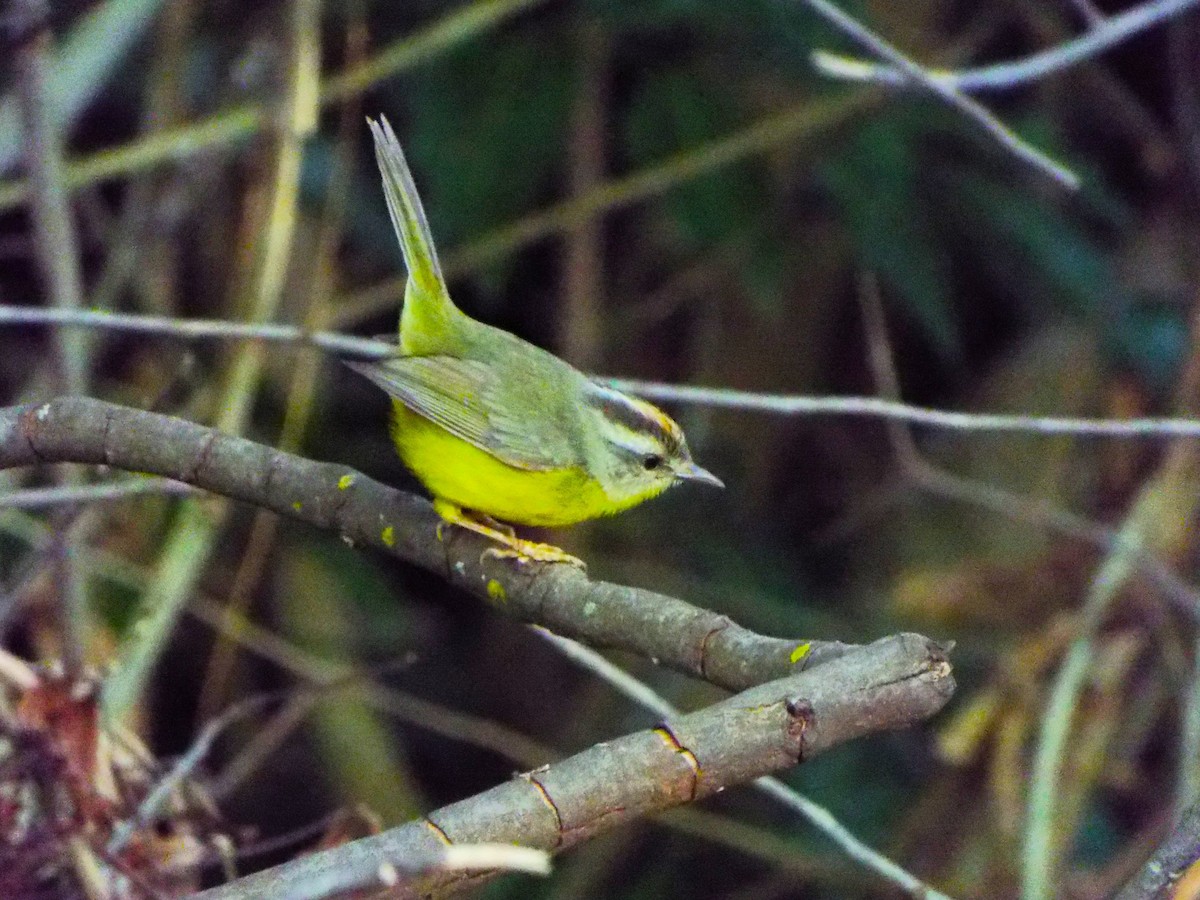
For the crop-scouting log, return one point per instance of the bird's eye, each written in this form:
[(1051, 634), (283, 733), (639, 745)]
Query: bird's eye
[(651, 462)]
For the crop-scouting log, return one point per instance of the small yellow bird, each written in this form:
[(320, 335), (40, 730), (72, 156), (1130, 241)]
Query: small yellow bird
[(497, 429)]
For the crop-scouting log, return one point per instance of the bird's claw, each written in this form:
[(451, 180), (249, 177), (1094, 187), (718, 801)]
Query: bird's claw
[(512, 547), (528, 551)]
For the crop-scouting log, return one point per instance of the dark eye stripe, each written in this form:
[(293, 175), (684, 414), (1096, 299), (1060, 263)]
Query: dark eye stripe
[(638, 416)]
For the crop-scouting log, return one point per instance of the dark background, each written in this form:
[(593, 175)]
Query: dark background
[(1002, 292)]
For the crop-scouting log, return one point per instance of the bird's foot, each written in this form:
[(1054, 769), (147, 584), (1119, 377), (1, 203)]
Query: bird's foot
[(512, 547), (531, 551)]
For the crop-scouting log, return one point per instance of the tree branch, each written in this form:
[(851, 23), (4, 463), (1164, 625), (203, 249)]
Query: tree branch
[(1104, 35), (646, 697), (1170, 861), (891, 684), (562, 598)]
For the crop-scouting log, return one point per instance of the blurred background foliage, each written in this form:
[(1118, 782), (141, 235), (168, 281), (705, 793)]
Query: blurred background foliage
[(661, 189)]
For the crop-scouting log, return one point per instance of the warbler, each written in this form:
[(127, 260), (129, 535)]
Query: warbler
[(498, 430)]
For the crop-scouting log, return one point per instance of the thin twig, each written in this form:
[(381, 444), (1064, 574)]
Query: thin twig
[(876, 407), (59, 495), (1006, 76), (949, 94), (197, 329), (323, 674), (778, 404), (57, 249), (183, 770), (395, 873), (58, 255)]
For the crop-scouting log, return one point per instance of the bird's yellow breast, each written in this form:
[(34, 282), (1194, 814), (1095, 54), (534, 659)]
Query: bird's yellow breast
[(453, 469)]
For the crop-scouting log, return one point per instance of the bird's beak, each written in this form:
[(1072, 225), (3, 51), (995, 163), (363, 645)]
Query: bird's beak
[(692, 472)]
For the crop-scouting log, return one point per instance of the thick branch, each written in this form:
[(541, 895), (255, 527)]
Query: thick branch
[(891, 684), (565, 600)]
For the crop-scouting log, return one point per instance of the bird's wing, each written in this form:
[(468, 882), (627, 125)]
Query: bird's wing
[(460, 396)]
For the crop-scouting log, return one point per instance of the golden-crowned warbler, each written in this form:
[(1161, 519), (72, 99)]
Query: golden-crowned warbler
[(497, 429)]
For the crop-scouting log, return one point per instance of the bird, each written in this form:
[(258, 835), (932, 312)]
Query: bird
[(498, 430)]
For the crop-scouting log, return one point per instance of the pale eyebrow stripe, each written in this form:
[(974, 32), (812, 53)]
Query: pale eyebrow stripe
[(637, 415)]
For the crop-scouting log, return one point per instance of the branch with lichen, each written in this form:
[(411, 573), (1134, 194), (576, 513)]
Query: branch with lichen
[(891, 684), (364, 511)]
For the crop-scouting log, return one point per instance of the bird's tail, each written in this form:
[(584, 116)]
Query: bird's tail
[(427, 303)]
